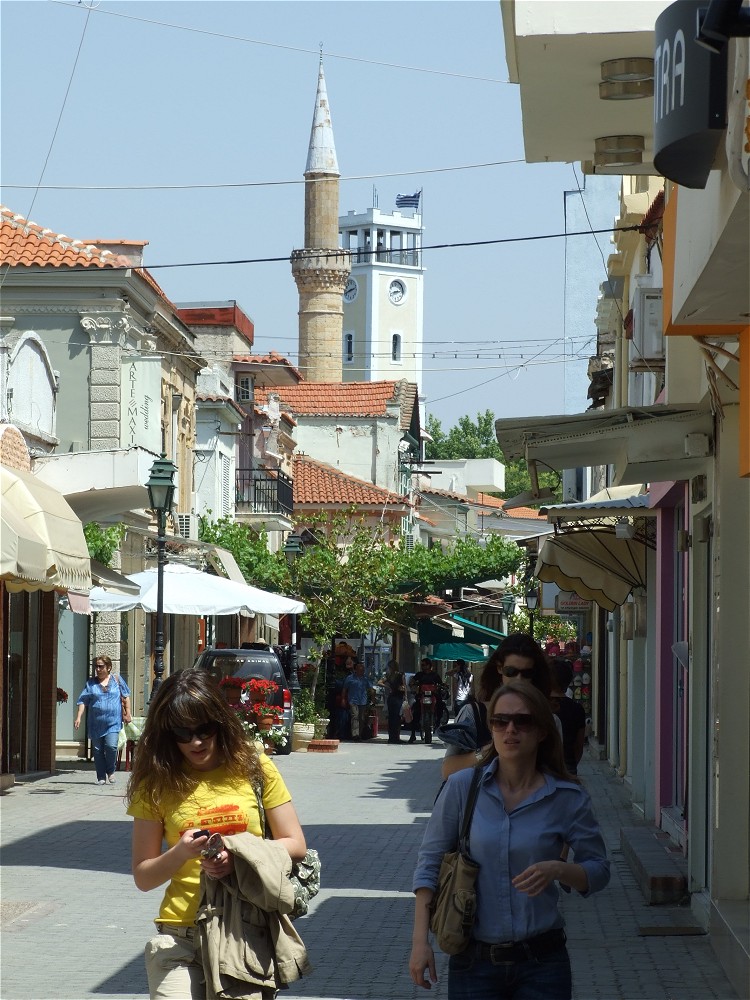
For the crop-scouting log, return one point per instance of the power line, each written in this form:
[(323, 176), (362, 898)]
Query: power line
[(323, 254), (254, 184), (288, 48)]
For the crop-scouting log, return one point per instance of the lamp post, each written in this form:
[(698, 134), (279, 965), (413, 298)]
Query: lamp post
[(508, 604), (160, 488), (532, 600), (293, 549)]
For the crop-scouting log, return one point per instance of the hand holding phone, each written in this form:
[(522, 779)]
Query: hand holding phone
[(201, 833)]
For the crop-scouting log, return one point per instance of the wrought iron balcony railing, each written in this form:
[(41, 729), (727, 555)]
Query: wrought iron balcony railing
[(258, 491)]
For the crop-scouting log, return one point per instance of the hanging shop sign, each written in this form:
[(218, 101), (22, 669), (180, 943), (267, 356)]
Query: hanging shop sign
[(567, 604), (690, 106)]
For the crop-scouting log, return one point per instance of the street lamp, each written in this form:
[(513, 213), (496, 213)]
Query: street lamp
[(531, 600), (160, 488), (508, 604), (293, 549)]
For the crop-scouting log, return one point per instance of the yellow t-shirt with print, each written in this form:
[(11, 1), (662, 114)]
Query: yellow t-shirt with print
[(219, 804)]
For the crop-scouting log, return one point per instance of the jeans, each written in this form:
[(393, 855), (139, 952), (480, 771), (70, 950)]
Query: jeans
[(105, 754), (544, 978)]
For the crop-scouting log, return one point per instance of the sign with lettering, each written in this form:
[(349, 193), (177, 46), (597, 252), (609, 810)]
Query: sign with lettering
[(140, 403), (571, 604), (689, 97)]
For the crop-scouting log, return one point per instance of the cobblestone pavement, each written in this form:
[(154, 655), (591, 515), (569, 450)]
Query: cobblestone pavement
[(74, 925)]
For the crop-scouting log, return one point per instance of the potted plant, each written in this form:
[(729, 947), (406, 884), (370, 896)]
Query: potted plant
[(305, 717), (266, 716), (258, 689)]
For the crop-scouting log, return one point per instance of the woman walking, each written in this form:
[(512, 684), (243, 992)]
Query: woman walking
[(195, 774), (527, 808), (107, 698)]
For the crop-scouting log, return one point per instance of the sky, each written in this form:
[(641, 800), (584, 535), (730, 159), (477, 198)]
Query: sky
[(221, 114)]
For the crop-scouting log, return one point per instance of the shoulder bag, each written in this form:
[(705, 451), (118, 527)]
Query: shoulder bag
[(454, 905), (305, 876)]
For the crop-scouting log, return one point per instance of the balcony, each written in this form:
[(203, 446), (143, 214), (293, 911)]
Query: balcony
[(263, 497), (365, 255)]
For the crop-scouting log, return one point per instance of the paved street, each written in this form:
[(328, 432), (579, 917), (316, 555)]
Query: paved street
[(73, 924)]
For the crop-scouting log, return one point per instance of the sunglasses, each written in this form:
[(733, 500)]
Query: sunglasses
[(522, 722), (203, 732), (526, 674)]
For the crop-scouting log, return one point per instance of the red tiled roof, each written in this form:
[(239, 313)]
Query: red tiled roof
[(350, 399), (24, 243), (525, 513), (272, 358), (318, 483), (210, 397)]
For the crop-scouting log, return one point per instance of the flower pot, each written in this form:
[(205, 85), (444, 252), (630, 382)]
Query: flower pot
[(321, 728), (302, 733)]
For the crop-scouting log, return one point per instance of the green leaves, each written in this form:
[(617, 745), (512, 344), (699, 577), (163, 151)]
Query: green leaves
[(102, 542)]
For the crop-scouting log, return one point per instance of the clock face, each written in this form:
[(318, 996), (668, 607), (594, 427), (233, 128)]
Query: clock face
[(397, 292), (351, 290)]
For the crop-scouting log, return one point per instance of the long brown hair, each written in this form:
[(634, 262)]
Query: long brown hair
[(522, 645), (549, 754), (188, 698)]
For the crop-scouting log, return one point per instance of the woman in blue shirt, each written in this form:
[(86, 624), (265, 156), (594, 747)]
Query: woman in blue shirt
[(528, 807), (103, 696)]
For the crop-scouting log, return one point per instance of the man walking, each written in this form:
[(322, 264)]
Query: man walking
[(357, 688)]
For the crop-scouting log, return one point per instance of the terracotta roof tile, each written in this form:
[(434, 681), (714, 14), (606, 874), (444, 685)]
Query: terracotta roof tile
[(445, 493), (318, 483), (211, 397), (341, 399), (272, 358), (24, 243)]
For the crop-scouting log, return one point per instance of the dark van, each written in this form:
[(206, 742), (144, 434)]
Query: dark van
[(247, 663)]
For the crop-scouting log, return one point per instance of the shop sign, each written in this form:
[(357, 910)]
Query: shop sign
[(690, 103), (566, 604)]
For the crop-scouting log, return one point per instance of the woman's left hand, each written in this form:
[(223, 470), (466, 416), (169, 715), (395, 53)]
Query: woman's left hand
[(220, 866), (535, 879)]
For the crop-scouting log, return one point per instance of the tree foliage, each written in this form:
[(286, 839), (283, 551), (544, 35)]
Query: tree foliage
[(259, 567), (102, 543), (476, 439)]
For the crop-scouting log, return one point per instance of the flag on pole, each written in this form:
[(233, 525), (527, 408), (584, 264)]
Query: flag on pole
[(408, 200)]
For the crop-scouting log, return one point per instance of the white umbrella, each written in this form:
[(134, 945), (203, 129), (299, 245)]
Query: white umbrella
[(188, 591)]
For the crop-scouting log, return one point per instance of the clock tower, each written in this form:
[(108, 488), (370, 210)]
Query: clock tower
[(383, 298)]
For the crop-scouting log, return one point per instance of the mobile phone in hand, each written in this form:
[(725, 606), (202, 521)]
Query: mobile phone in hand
[(201, 833)]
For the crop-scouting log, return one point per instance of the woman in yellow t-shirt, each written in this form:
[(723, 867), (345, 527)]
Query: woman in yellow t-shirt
[(194, 770)]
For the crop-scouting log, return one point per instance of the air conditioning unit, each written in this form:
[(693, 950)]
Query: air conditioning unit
[(647, 345), (189, 525)]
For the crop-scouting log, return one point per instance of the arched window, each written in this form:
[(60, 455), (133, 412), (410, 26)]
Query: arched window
[(348, 347)]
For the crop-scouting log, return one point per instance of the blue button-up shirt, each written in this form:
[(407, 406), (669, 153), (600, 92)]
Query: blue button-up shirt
[(504, 845), (104, 705), (357, 688)]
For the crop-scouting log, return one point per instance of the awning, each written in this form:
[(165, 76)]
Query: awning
[(457, 651), (48, 517), (110, 580), (606, 506), (645, 444), (477, 632), (431, 631), (23, 554), (595, 564), (221, 559)]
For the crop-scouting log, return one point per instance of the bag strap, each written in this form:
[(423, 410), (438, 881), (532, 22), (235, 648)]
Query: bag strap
[(471, 801)]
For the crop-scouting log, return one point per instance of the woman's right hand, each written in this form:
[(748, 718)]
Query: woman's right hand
[(191, 845), (421, 961), (77, 722)]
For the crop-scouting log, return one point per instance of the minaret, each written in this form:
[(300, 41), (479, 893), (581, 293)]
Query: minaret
[(321, 269)]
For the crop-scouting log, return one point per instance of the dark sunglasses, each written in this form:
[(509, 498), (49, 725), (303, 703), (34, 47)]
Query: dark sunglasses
[(522, 722), (203, 732), (526, 674)]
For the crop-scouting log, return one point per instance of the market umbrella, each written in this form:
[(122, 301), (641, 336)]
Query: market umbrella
[(189, 591)]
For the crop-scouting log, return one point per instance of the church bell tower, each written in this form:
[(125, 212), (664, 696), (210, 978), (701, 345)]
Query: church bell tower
[(322, 268)]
